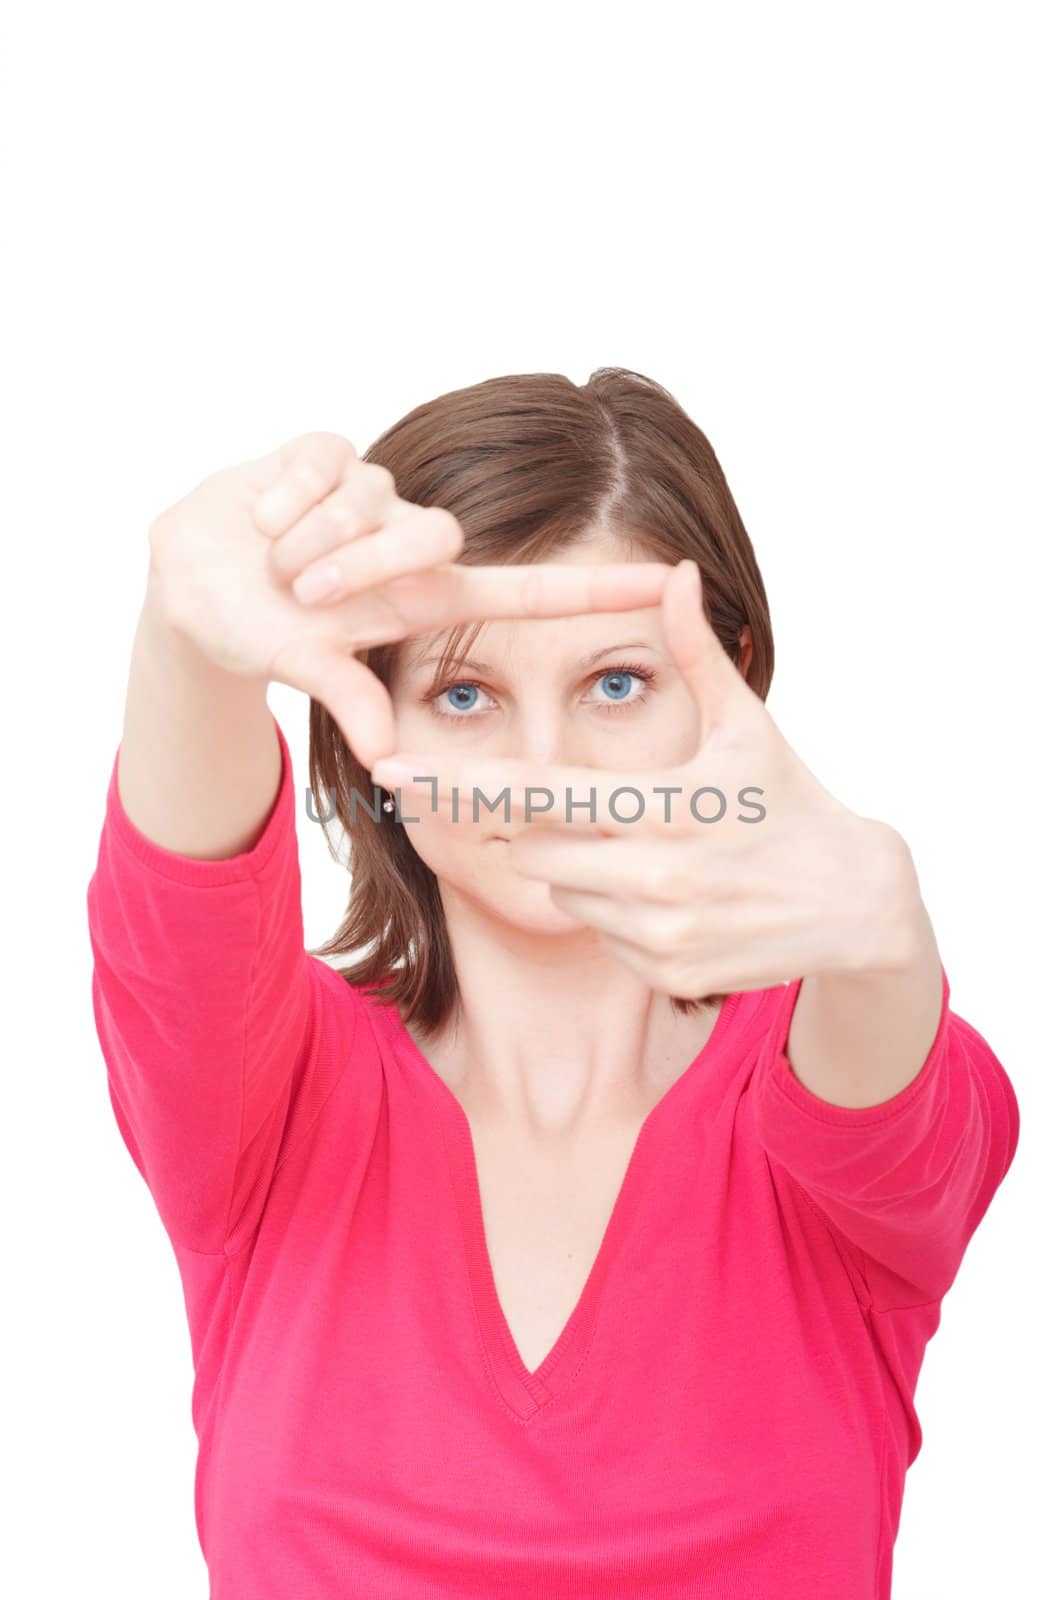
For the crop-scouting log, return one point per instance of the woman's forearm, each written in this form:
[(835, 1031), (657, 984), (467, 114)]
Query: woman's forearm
[(858, 1038), (199, 763)]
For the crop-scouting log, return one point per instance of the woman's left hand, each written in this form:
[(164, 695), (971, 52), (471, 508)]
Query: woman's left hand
[(739, 869)]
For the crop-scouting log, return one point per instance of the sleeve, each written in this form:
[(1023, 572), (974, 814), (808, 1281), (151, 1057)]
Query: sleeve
[(904, 1183), (204, 1002)]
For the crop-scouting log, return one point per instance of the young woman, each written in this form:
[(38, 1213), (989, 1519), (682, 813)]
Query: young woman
[(581, 1232)]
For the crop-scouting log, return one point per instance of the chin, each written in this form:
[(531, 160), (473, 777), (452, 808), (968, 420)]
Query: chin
[(484, 876), (523, 902)]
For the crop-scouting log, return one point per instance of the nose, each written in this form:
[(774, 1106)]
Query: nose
[(543, 736), (546, 739)]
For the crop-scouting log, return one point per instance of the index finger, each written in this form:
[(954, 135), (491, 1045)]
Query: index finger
[(458, 593)]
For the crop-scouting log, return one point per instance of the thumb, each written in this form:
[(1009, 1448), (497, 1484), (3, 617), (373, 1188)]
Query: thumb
[(350, 692), (706, 668)]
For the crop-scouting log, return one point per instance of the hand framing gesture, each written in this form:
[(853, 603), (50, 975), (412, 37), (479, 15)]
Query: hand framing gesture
[(733, 870), (282, 567)]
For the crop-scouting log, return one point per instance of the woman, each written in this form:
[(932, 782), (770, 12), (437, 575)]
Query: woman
[(583, 1234)]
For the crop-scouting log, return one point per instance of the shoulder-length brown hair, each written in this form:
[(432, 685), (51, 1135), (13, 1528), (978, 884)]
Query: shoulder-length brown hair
[(528, 465)]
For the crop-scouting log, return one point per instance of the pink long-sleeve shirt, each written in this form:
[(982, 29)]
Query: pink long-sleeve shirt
[(728, 1411)]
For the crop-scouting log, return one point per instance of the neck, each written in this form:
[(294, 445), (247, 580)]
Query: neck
[(552, 1032)]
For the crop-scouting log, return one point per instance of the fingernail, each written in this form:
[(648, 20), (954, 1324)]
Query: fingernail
[(317, 582)]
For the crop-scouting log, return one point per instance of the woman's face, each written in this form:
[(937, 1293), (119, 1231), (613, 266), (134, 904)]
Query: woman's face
[(597, 690)]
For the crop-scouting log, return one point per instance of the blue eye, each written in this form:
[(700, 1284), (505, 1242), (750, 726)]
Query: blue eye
[(463, 690), (616, 684), (459, 702), (617, 687)]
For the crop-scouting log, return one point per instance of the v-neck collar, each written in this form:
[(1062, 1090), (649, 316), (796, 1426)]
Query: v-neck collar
[(523, 1390)]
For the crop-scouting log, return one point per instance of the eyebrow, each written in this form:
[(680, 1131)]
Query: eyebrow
[(584, 661)]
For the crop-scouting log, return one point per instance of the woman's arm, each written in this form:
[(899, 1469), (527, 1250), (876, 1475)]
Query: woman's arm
[(858, 1037), (199, 764), (204, 998), (887, 1108)]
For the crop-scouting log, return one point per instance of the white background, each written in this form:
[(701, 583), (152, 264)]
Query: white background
[(829, 230)]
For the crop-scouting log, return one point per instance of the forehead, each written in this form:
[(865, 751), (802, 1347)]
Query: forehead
[(563, 641), (578, 647)]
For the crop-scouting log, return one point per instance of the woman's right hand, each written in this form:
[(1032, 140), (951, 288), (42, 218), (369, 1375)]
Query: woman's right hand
[(231, 560)]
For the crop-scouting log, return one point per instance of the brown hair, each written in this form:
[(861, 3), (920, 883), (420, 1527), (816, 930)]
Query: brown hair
[(528, 465)]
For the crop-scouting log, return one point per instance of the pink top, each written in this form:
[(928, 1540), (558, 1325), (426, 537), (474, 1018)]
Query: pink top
[(729, 1409)]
